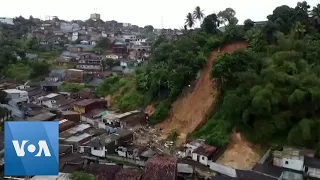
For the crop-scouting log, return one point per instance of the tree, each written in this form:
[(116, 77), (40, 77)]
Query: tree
[(228, 16), (103, 44), (210, 24), (248, 24), (299, 30), (39, 69), (148, 28), (315, 13), (189, 20), (198, 14)]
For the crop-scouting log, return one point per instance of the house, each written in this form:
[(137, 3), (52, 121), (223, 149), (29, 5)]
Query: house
[(67, 57), (49, 100), (91, 117), (81, 48), (127, 63), (160, 168), (119, 48), (132, 118), (86, 105), (103, 171), (107, 144), (63, 104), (17, 94), (128, 174), (58, 73), (71, 116), (100, 146), (203, 153), (49, 85), (76, 135), (65, 125), (46, 116), (6, 20), (31, 56), (113, 56), (191, 146), (74, 75), (91, 65)]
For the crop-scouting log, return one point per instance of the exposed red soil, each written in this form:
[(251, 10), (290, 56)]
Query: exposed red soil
[(190, 111)]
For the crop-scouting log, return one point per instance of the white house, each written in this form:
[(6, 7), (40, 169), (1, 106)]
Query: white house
[(6, 20), (75, 36), (191, 146), (203, 154), (112, 56), (17, 94), (127, 63), (49, 100)]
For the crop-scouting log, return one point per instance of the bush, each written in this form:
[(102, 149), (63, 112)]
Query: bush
[(161, 112), (130, 101)]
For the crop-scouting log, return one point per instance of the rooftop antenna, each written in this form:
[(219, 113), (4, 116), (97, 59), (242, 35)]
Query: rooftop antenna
[(95, 10), (161, 22)]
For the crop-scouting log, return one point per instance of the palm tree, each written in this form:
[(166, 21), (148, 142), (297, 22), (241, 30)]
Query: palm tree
[(189, 20), (299, 30), (315, 13), (198, 14)]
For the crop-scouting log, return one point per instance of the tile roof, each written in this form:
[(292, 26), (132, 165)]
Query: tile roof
[(103, 171), (160, 168), (128, 174), (86, 102), (205, 150)]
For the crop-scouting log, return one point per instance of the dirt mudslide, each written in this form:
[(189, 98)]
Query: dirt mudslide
[(190, 111)]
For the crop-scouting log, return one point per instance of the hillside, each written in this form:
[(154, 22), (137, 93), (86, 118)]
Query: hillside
[(190, 111)]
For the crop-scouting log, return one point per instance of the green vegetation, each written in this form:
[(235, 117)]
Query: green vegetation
[(271, 91), (173, 136), (71, 87), (82, 176), (14, 46), (121, 89)]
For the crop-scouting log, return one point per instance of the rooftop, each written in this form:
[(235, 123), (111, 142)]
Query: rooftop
[(205, 150), (78, 138), (160, 168), (312, 162), (14, 91), (103, 170), (61, 176), (42, 117), (119, 116), (128, 174), (86, 102)]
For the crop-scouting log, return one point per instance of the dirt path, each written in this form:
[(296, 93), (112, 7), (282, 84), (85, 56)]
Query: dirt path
[(240, 154), (189, 112)]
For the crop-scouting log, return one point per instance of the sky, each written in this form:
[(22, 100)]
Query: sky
[(160, 13)]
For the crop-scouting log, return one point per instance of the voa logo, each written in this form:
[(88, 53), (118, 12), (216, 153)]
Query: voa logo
[(42, 148)]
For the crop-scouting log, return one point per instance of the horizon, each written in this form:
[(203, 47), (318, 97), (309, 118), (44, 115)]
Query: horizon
[(141, 12)]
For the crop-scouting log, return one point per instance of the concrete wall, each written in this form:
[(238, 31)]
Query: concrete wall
[(295, 164), (185, 168), (313, 172), (223, 169)]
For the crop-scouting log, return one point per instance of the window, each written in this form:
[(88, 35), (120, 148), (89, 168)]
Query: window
[(202, 157), (286, 162), (96, 148)]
